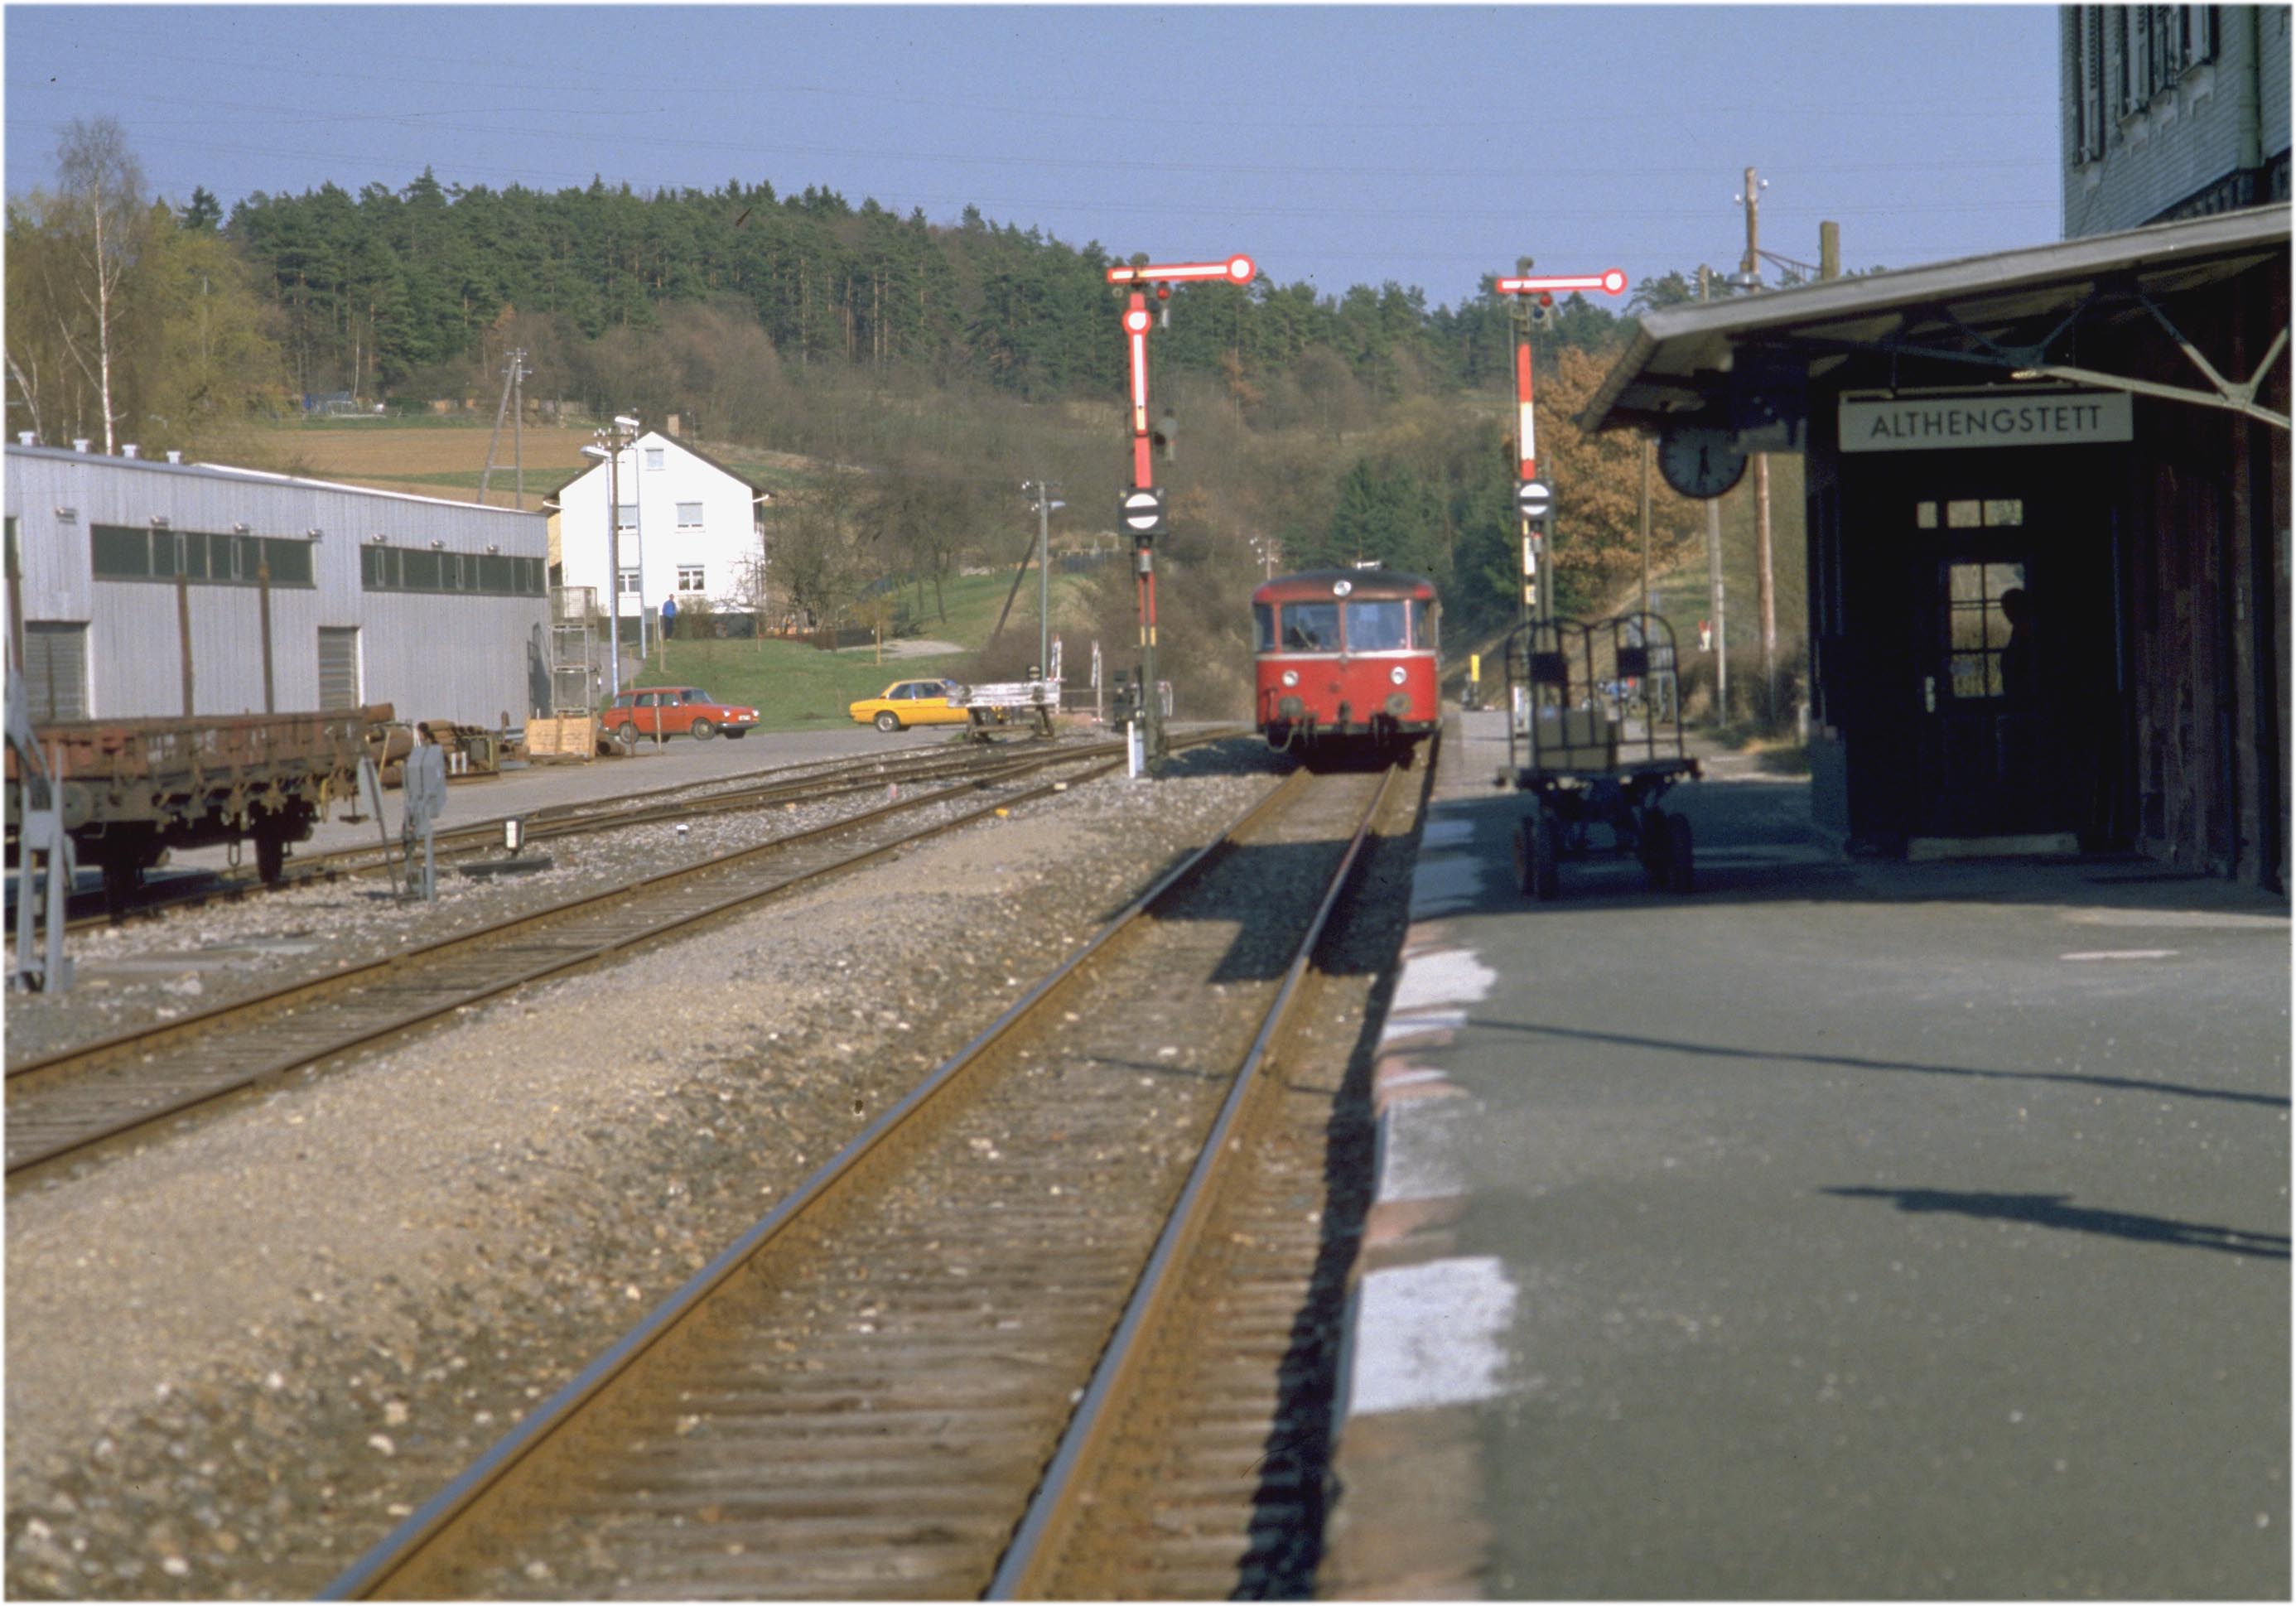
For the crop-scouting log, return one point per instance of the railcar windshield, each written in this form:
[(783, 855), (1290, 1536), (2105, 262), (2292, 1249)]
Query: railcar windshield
[(1378, 625), (1422, 625), (1311, 627), (1263, 627)]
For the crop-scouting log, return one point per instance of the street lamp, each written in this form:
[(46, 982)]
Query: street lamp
[(625, 430)]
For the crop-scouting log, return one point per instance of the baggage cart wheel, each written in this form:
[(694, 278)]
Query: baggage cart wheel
[(1680, 875), (1546, 845), (1652, 845)]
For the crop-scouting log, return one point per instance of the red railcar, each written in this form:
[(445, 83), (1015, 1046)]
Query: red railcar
[(1346, 659)]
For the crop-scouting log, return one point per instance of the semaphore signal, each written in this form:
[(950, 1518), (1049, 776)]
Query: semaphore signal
[(1611, 282), (1143, 508), (1533, 498), (1236, 270)]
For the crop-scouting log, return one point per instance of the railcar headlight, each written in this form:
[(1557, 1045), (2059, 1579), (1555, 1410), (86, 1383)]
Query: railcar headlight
[(1395, 674), (1291, 678)]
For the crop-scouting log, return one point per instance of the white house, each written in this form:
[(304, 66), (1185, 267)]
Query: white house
[(689, 528)]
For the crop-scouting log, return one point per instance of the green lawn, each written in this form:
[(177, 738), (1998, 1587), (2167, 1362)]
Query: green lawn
[(797, 687), (793, 687)]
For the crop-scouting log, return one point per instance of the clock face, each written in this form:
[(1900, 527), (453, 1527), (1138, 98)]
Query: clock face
[(1701, 463)]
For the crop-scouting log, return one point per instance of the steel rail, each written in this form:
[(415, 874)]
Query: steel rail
[(554, 820), (1027, 1561), (406, 1546), (145, 1038), (447, 1001)]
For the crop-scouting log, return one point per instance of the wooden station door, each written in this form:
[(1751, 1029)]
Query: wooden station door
[(2014, 605)]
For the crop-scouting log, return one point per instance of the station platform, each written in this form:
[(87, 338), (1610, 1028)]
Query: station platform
[(1847, 1228)]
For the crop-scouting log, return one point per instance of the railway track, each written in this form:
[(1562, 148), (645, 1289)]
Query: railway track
[(910, 1379), (64, 1103), (811, 783)]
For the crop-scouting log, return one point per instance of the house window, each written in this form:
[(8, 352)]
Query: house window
[(626, 516), (689, 578), (2199, 34), (689, 515), (628, 582), (2086, 30), (653, 457)]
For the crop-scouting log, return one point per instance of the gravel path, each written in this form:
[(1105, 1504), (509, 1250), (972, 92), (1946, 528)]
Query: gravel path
[(149, 971), (238, 1355)]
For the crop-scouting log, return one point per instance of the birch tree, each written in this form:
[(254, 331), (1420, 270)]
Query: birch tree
[(102, 197)]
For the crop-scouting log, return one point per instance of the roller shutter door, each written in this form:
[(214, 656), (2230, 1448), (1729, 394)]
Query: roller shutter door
[(339, 679), (55, 671)]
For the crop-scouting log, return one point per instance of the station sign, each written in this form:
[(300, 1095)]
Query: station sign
[(1946, 420)]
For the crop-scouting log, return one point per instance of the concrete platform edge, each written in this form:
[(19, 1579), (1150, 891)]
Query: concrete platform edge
[(1407, 1521)]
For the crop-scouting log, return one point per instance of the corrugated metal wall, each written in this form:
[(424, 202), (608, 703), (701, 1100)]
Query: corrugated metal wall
[(470, 658)]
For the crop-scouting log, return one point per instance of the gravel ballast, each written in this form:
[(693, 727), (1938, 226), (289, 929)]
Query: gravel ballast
[(237, 1353)]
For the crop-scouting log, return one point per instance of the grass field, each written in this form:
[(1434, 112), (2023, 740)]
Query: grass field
[(434, 458), (797, 687), (444, 457)]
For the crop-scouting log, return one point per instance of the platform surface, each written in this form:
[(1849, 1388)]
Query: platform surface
[(1847, 1229)]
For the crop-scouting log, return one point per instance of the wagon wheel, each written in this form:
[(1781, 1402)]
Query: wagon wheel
[(271, 854), (1680, 875)]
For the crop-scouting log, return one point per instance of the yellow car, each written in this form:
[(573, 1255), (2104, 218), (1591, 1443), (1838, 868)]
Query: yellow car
[(907, 703)]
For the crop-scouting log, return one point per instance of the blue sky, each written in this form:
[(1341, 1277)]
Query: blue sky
[(1336, 144)]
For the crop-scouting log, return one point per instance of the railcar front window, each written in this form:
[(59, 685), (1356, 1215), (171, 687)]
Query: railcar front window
[(1311, 627), (1377, 626), (1263, 627), (1422, 625)]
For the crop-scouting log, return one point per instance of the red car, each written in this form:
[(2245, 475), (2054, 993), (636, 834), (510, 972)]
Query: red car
[(646, 711)]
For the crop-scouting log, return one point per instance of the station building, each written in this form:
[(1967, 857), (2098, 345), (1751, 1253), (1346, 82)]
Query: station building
[(2047, 515), (2049, 488), (143, 588)]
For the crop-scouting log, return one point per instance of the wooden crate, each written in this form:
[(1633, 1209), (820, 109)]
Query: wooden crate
[(567, 736)]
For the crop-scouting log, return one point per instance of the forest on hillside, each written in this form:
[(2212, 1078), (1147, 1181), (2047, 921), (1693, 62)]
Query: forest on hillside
[(928, 368)]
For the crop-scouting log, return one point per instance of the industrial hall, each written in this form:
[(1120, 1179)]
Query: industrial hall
[(2047, 488), (147, 588)]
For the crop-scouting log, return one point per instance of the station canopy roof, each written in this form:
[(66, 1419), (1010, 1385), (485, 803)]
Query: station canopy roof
[(2024, 311)]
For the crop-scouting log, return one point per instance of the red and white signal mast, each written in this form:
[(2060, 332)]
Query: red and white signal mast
[(1141, 509), (1534, 500)]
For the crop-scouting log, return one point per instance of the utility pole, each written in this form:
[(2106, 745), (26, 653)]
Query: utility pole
[(1648, 447), (1715, 588), (1044, 496), (485, 471), (1765, 591), (518, 422)]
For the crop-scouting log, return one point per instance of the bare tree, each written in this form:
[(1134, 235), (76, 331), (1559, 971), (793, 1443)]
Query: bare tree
[(103, 194)]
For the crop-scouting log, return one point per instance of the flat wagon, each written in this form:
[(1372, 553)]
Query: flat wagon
[(133, 789)]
